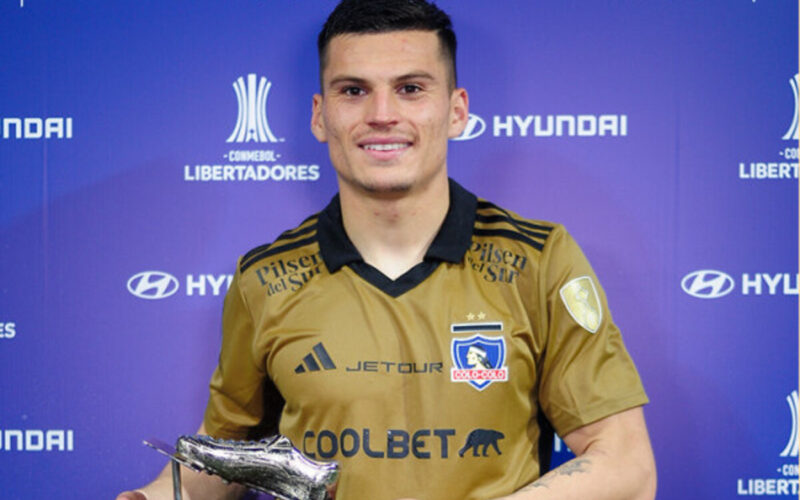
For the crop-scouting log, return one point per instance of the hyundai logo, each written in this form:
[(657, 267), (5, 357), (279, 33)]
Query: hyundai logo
[(475, 127), (707, 284), (152, 285)]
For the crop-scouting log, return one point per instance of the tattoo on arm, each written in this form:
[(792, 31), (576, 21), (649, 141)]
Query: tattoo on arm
[(542, 482), (574, 466)]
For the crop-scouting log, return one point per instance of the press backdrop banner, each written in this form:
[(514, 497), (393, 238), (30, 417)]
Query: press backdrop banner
[(146, 145)]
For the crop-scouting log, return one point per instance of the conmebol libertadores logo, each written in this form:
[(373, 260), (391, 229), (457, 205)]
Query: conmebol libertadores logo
[(252, 124), (779, 168), (260, 161), (782, 480)]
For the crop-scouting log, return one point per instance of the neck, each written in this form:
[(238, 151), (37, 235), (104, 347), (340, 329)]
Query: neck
[(393, 232)]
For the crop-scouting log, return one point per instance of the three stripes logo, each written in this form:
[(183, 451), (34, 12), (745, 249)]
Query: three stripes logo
[(312, 364), (252, 124)]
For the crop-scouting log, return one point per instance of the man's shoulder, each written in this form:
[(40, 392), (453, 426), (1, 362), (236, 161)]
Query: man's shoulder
[(494, 220), (301, 239)]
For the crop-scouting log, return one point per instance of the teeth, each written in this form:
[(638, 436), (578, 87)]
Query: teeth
[(385, 147)]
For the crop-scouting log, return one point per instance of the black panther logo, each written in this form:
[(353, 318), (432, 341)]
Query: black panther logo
[(482, 437)]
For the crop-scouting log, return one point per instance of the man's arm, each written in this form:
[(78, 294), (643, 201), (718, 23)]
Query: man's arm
[(613, 461), (196, 485)]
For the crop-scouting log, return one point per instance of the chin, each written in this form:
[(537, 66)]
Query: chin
[(387, 187), (386, 184)]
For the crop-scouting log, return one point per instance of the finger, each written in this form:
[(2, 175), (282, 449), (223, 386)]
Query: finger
[(332, 491)]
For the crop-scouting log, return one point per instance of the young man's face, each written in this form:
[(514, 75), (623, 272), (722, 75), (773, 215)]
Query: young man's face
[(387, 111)]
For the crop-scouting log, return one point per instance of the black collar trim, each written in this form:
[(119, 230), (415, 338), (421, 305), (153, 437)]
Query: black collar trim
[(449, 245)]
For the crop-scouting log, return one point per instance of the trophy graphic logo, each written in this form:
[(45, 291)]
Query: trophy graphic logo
[(792, 133), (252, 124), (791, 446)]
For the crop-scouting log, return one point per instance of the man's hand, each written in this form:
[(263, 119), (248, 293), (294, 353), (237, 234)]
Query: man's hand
[(332, 491), (194, 485)]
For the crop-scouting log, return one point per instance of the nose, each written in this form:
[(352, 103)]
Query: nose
[(382, 109)]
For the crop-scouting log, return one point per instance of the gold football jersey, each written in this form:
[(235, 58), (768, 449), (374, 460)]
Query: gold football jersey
[(444, 383)]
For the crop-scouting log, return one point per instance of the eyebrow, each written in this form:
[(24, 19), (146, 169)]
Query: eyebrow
[(416, 75), (419, 75)]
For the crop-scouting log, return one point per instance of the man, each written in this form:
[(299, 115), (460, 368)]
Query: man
[(360, 348)]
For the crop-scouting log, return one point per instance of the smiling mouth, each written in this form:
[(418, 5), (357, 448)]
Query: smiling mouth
[(386, 147)]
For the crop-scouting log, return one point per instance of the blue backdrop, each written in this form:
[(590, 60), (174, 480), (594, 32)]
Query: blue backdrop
[(663, 134)]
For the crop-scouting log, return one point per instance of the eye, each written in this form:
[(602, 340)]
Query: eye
[(410, 88), (353, 91)]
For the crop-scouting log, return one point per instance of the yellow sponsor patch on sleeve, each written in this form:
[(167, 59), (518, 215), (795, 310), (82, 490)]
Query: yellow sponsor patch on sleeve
[(580, 298)]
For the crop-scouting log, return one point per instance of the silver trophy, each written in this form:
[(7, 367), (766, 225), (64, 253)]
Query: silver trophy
[(272, 465)]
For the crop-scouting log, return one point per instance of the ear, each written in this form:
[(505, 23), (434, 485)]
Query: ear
[(317, 121), (459, 112)]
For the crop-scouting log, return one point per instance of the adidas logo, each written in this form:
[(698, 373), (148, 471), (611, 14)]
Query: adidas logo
[(310, 362)]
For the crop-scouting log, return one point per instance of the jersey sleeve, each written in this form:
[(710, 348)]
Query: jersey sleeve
[(586, 373), (235, 404)]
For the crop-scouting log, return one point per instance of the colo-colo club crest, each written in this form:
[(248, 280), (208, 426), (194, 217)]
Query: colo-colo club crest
[(478, 360)]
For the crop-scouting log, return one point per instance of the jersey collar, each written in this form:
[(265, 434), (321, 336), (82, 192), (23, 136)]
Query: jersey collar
[(449, 245)]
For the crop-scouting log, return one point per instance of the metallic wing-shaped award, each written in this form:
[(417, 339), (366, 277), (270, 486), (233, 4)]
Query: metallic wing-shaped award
[(272, 465)]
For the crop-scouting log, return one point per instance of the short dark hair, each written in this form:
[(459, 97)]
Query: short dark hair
[(381, 16)]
